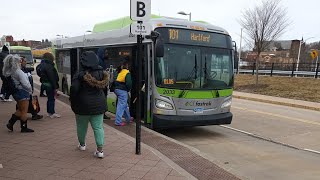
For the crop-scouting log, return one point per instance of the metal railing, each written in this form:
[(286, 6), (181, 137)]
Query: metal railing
[(282, 69)]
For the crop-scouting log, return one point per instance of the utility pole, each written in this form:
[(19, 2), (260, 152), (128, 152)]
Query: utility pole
[(240, 50)]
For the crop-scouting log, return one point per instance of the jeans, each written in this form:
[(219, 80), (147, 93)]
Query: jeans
[(42, 89), (51, 100), (122, 106), (96, 122)]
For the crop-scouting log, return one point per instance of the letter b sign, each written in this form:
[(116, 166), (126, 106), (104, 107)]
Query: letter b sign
[(140, 10)]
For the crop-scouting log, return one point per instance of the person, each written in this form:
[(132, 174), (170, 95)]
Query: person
[(21, 93), (35, 115), (123, 84), (50, 81), (42, 87), (88, 102), (4, 95), (103, 56)]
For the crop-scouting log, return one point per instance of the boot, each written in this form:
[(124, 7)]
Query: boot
[(24, 127), (12, 121)]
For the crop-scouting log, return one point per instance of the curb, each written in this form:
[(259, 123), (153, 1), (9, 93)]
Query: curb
[(277, 102)]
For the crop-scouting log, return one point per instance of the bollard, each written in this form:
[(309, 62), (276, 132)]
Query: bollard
[(254, 65), (293, 65), (317, 70)]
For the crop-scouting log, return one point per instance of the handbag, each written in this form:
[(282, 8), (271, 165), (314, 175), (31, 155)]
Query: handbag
[(35, 104)]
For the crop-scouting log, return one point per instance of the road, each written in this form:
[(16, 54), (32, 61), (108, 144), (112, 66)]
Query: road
[(276, 141)]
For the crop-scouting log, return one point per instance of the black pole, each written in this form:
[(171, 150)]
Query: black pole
[(272, 69), (254, 65), (292, 73), (317, 70), (138, 115)]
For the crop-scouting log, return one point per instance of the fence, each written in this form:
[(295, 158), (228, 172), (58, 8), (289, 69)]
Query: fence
[(282, 69)]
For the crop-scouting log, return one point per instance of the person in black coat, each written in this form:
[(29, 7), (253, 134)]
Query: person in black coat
[(4, 95), (50, 81), (87, 99)]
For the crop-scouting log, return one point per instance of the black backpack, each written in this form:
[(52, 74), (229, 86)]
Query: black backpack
[(11, 86), (39, 69)]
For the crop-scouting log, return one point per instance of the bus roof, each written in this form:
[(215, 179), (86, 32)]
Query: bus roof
[(20, 48), (155, 21), (118, 32)]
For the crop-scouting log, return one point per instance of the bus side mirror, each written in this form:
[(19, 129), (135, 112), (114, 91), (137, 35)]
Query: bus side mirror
[(159, 47)]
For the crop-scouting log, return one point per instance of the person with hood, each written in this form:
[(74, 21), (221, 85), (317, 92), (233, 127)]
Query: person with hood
[(123, 85), (4, 95), (50, 81), (88, 100), (22, 92)]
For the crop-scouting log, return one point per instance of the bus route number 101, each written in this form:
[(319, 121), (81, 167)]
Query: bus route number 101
[(173, 34)]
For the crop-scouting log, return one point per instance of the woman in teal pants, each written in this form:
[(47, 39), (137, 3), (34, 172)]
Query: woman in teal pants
[(88, 100)]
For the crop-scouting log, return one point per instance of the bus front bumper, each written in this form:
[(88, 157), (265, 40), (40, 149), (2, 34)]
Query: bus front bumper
[(165, 121)]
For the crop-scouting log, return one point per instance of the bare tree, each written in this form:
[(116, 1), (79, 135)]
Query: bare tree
[(264, 24)]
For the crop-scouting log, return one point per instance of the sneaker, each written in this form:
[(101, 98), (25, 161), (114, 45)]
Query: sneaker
[(55, 115), (98, 154), (121, 124), (37, 117), (82, 148), (7, 100)]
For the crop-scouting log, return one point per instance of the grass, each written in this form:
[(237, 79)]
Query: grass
[(307, 89)]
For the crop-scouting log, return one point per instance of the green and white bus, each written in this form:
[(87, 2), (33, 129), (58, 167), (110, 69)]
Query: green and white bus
[(188, 69), (22, 51)]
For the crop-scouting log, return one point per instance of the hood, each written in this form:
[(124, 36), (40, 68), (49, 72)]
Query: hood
[(93, 82), (5, 49), (89, 59)]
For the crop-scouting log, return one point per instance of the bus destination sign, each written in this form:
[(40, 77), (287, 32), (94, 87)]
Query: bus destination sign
[(187, 36), (194, 37)]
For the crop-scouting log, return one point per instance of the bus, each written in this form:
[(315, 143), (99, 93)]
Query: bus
[(23, 51), (188, 69)]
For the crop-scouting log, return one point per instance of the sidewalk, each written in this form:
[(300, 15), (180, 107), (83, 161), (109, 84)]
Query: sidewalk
[(277, 100), (51, 152)]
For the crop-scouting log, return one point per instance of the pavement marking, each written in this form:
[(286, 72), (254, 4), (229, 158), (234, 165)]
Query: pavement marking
[(1, 166), (310, 150), (238, 130), (280, 116)]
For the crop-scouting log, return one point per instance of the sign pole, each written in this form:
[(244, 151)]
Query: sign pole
[(138, 121)]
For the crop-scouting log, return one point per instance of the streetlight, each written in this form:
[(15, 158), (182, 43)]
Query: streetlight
[(301, 42), (60, 35), (183, 13), (84, 36)]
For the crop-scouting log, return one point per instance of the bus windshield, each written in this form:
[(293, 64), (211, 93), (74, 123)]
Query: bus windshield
[(194, 67), (27, 54)]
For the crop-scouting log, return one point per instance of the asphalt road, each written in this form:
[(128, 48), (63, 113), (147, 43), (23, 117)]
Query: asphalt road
[(267, 142)]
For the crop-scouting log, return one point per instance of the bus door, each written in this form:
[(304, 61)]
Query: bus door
[(145, 78)]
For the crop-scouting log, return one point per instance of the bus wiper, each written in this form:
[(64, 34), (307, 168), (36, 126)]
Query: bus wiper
[(194, 70)]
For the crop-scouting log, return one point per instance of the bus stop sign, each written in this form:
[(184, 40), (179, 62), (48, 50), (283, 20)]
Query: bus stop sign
[(140, 10)]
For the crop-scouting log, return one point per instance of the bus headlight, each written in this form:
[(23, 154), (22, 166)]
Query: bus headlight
[(226, 104), (163, 105)]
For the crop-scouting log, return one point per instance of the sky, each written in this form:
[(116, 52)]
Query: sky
[(41, 19)]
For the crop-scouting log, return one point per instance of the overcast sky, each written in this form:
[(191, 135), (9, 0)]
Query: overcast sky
[(40, 19)]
